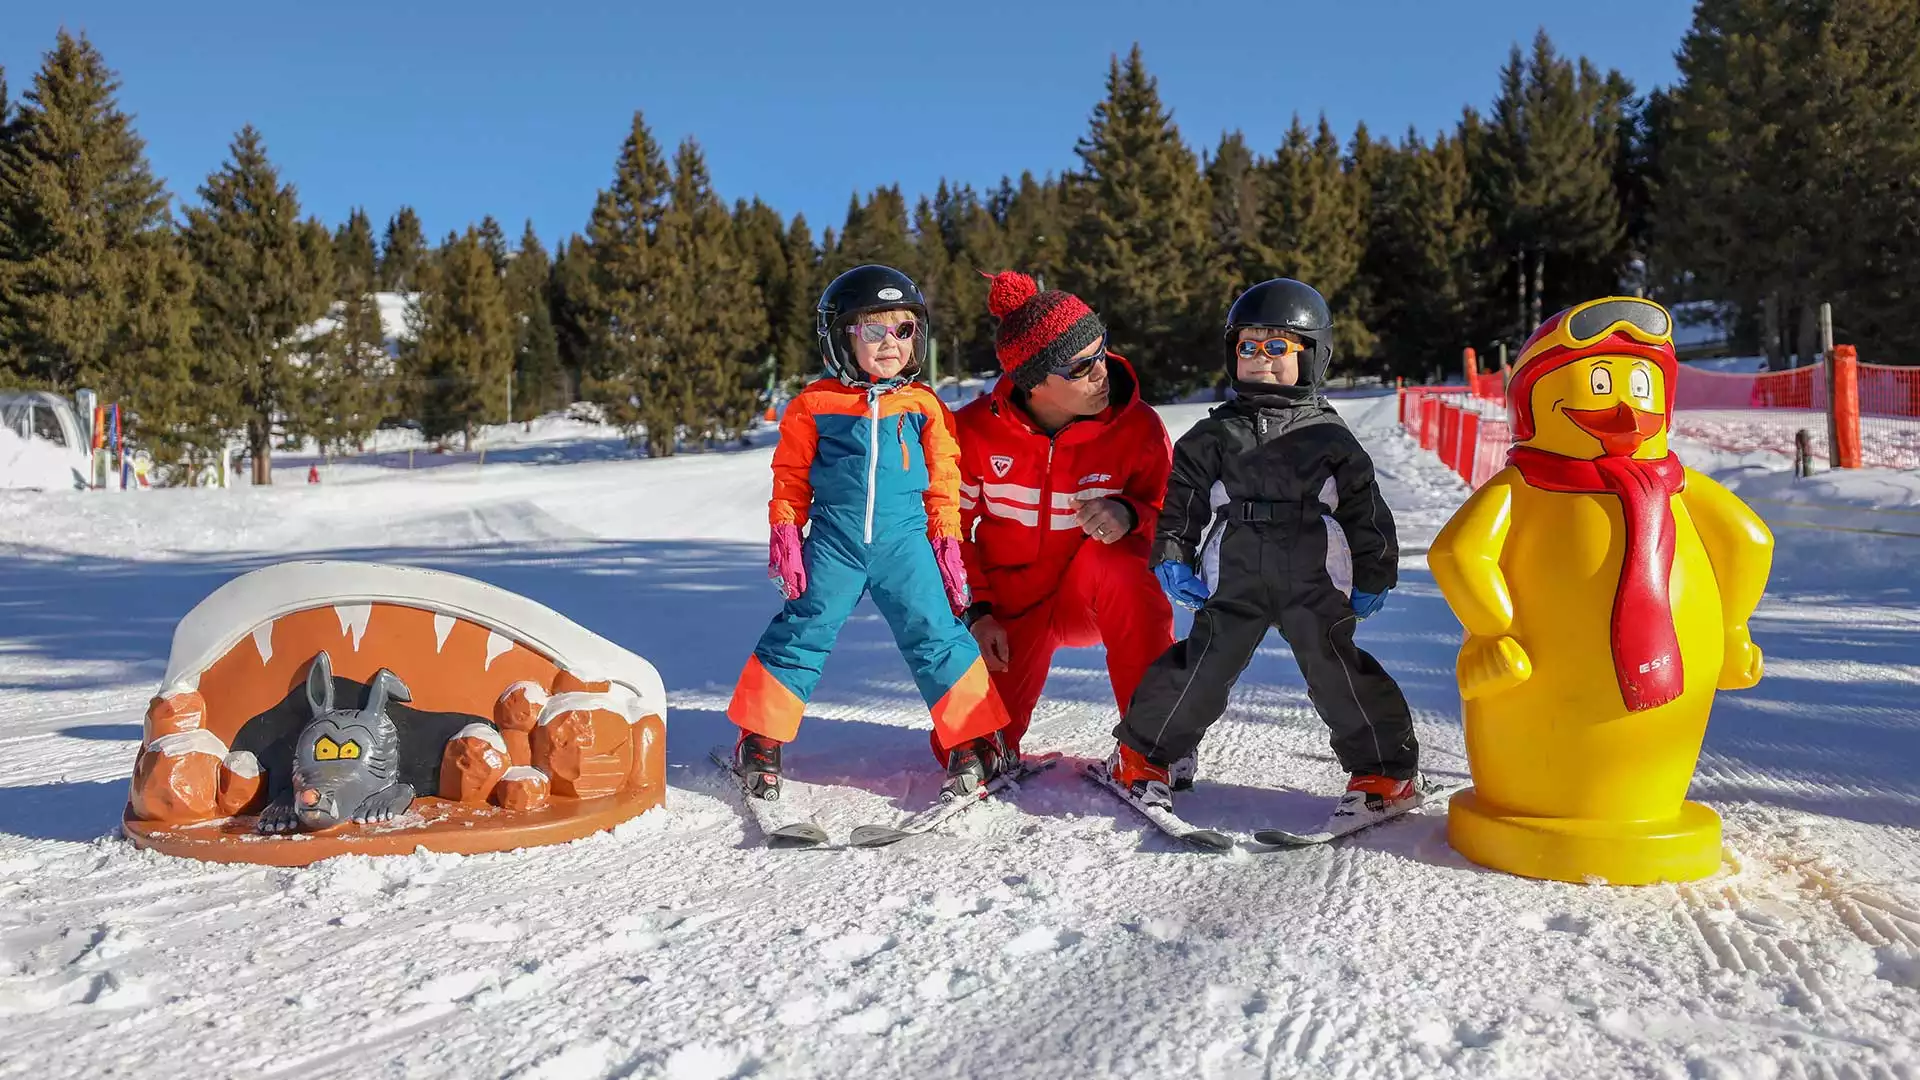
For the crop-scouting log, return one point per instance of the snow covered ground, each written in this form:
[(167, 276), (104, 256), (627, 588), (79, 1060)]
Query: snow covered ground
[(1053, 935)]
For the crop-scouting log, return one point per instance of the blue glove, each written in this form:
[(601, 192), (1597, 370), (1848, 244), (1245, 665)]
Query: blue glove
[(1366, 603), (1182, 587)]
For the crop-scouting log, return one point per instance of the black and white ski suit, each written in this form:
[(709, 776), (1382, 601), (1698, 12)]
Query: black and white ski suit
[(1273, 501)]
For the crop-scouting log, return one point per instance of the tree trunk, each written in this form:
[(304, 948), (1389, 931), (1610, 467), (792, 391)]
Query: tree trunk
[(1520, 294), (260, 448), (466, 436), (1807, 341), (1539, 286), (1770, 331)]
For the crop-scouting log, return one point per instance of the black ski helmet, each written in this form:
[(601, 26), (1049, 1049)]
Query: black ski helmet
[(1290, 305), (860, 290)]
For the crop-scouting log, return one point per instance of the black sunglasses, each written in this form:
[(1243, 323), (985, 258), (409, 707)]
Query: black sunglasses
[(1075, 370)]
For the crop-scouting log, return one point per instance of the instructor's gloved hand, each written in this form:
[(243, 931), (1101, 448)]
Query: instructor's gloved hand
[(784, 563), (1182, 586), (953, 572), (1366, 603)]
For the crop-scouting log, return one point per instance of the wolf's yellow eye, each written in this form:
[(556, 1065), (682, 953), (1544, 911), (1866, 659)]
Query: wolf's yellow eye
[(327, 750), (350, 750)]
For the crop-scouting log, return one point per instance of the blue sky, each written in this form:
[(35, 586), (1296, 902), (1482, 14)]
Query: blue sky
[(518, 110)]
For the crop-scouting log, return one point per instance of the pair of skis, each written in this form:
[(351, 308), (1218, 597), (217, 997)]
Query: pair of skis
[(1341, 823), (783, 824)]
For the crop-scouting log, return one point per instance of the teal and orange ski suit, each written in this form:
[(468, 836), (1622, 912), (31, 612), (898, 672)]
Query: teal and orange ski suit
[(876, 471)]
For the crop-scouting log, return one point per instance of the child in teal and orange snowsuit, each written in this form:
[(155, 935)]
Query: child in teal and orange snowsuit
[(868, 457)]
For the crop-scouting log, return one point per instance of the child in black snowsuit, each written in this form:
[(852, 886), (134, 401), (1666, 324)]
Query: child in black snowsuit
[(1300, 539)]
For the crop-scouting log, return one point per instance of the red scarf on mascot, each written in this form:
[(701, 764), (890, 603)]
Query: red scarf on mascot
[(1646, 650)]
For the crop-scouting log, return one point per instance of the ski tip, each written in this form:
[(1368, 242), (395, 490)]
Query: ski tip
[(1281, 838), (799, 835), (1209, 840), (871, 836)]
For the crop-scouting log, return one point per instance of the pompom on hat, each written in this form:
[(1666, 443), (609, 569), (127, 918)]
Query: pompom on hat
[(1039, 331)]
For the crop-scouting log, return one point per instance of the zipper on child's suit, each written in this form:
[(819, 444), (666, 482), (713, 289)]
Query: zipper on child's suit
[(873, 452)]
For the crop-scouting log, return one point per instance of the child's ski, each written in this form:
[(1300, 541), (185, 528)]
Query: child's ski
[(781, 823), (1168, 822), (1347, 822), (925, 820)]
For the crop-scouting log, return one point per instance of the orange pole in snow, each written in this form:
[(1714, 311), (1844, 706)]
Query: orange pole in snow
[(1846, 407)]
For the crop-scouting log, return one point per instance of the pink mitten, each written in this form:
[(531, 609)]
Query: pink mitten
[(784, 563), (953, 572)]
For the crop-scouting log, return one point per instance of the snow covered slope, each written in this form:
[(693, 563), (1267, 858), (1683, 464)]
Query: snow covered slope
[(1051, 936)]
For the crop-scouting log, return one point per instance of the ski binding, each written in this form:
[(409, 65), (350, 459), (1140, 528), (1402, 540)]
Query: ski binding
[(1212, 840), (1348, 823), (779, 821), (947, 808)]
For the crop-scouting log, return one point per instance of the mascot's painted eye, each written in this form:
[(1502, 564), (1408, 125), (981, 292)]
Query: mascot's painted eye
[(326, 749), (1641, 383), (1602, 381), (349, 751)]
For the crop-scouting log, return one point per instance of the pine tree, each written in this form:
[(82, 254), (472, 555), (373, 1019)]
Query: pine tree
[(1424, 242), (796, 344), (400, 254), (83, 224), (627, 365), (985, 247), (355, 258), (263, 276), (351, 389), (572, 302), (173, 402), (1033, 217), (1234, 182), (710, 316), (539, 383), (1548, 163), (1363, 303), (1311, 229), (1138, 244), (875, 232), (493, 241), (1786, 168), (463, 351), (932, 269), (761, 236)]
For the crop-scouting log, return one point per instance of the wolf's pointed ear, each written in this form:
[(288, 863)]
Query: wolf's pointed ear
[(320, 684), (386, 687)]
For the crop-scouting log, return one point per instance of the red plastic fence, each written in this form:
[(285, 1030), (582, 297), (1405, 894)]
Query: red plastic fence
[(1799, 388), (1446, 420), (1889, 416), (1878, 415)]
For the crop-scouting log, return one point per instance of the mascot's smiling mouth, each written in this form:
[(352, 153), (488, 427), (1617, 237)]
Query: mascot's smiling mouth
[(1620, 429)]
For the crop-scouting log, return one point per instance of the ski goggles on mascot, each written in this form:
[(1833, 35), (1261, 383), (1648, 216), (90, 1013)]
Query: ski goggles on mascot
[(1613, 325)]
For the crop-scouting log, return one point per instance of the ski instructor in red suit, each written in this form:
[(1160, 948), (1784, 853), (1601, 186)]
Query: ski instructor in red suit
[(1062, 472)]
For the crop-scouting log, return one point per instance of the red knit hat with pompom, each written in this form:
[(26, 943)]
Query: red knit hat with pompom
[(1039, 331)]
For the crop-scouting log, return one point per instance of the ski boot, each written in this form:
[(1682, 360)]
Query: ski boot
[(756, 759), (1372, 794), (1182, 772), (1142, 778), (970, 766)]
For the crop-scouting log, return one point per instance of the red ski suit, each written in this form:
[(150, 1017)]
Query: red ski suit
[(1048, 583)]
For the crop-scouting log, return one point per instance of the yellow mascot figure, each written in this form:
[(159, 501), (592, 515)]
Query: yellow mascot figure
[(1605, 590)]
